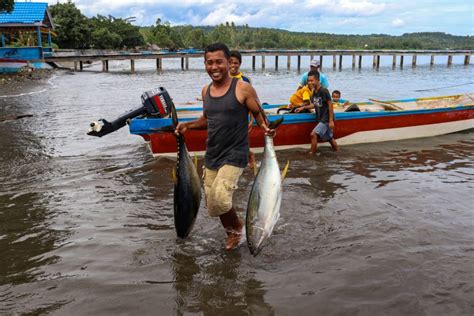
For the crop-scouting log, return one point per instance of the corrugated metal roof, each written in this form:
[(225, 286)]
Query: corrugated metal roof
[(26, 13)]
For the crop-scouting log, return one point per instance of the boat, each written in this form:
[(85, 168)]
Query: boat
[(375, 121)]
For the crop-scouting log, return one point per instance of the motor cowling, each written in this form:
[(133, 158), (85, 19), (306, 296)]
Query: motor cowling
[(155, 103)]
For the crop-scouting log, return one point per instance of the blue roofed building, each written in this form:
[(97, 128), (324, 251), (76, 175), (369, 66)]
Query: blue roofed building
[(25, 36)]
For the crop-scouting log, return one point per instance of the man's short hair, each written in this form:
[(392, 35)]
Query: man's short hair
[(314, 73), (236, 54), (214, 47), (337, 92)]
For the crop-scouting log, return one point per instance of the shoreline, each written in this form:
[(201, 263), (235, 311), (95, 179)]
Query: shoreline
[(25, 76), (25, 81)]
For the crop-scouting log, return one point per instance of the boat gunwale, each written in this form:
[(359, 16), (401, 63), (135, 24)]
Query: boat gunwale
[(140, 126)]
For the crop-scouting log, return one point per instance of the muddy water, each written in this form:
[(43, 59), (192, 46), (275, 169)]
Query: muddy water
[(86, 224)]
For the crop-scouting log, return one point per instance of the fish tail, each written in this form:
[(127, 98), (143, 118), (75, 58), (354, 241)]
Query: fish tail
[(276, 123)]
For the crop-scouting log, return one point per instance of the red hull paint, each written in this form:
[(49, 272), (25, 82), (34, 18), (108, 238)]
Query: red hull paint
[(8, 60), (299, 134)]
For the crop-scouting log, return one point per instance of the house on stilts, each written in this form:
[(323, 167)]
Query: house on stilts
[(25, 37)]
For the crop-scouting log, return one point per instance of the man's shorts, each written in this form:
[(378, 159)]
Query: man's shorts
[(323, 130), (219, 186)]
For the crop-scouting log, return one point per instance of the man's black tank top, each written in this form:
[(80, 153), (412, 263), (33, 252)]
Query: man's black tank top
[(227, 134)]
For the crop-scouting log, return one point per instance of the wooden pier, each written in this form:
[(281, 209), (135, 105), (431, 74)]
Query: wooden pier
[(79, 57)]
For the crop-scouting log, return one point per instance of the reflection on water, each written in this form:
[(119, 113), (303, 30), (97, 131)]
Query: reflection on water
[(214, 284), (86, 224)]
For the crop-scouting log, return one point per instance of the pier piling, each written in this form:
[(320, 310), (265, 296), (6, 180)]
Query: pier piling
[(78, 57)]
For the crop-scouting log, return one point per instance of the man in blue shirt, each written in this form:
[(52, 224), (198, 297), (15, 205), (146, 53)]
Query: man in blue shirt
[(314, 65)]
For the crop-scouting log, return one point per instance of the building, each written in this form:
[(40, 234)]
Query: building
[(25, 36)]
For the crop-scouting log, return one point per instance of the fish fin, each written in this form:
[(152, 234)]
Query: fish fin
[(285, 170), (254, 167), (173, 175), (276, 123)]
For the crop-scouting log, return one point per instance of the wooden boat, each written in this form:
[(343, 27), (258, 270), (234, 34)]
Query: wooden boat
[(377, 121)]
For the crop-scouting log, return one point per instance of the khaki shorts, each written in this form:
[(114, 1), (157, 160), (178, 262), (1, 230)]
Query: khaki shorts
[(219, 186)]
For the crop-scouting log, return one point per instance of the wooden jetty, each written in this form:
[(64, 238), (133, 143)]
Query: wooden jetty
[(79, 57)]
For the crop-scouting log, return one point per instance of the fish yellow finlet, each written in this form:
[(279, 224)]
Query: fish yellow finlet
[(285, 170), (173, 175)]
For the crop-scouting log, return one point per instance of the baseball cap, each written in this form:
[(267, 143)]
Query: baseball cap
[(314, 63)]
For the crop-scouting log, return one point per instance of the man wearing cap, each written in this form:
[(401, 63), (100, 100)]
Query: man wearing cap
[(314, 65)]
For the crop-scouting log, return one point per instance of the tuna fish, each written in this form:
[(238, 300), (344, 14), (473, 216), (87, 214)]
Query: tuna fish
[(187, 187), (263, 209), (187, 191)]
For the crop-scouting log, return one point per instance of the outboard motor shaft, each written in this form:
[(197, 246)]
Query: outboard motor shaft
[(155, 103)]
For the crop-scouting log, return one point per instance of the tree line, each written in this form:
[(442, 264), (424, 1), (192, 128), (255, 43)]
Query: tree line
[(75, 30)]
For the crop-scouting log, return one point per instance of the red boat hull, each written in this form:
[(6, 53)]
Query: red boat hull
[(349, 129)]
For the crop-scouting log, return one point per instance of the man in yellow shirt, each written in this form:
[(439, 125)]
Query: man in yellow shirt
[(235, 62), (234, 71)]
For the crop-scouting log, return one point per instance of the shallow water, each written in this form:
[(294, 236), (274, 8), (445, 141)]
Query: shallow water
[(86, 224)]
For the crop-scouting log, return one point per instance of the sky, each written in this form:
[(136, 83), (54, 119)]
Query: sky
[(327, 16)]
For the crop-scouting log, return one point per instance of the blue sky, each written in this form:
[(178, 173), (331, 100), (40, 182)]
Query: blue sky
[(336, 16)]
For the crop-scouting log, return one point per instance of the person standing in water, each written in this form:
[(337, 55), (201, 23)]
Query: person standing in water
[(235, 72), (227, 102)]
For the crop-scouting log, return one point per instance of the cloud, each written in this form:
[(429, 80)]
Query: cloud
[(398, 23), (328, 16)]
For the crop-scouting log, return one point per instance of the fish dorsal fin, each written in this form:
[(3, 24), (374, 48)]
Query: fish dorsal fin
[(285, 170), (173, 175)]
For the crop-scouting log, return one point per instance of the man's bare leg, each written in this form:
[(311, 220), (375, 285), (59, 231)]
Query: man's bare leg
[(233, 227), (314, 143)]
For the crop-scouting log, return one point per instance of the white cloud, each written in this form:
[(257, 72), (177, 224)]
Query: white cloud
[(329, 16), (398, 22)]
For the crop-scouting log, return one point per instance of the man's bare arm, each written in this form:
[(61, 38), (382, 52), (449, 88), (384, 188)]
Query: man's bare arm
[(331, 115), (248, 95)]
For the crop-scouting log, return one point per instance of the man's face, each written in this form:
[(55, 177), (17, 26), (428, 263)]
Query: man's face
[(312, 82), (217, 65), (336, 97), (234, 66)]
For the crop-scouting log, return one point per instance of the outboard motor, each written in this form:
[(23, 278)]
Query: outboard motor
[(155, 103)]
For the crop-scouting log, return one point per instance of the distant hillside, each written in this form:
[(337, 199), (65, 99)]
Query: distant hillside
[(107, 32), (245, 37)]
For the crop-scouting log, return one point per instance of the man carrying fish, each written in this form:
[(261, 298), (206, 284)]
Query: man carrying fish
[(226, 104)]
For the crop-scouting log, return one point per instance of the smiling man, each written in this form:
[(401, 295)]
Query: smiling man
[(227, 102)]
